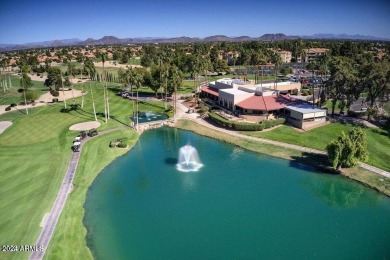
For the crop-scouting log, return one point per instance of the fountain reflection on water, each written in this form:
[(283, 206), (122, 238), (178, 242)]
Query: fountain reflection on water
[(188, 159)]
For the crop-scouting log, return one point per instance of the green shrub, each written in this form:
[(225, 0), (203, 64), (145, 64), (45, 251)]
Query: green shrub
[(54, 93), (204, 109), (123, 142), (248, 127), (220, 120), (272, 123)]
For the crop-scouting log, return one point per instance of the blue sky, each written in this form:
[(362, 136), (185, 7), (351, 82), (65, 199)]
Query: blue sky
[(23, 21)]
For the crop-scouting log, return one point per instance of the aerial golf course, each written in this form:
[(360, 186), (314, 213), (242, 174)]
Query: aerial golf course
[(35, 152)]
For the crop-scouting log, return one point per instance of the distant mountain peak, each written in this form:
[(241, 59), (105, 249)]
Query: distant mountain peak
[(214, 38)]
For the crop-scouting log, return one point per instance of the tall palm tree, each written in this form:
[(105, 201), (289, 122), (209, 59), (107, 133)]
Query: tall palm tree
[(71, 72), (277, 60), (130, 79), (24, 91), (176, 80), (196, 68), (137, 80), (63, 91), (82, 90), (90, 89), (88, 68), (105, 94), (165, 74)]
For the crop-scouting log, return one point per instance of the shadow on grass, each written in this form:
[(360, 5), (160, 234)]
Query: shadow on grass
[(114, 118)]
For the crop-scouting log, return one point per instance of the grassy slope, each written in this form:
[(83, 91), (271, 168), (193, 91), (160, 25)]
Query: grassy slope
[(70, 243), (34, 155), (378, 141), (368, 178)]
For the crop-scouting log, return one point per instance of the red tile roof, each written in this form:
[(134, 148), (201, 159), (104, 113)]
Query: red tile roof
[(209, 90), (265, 103)]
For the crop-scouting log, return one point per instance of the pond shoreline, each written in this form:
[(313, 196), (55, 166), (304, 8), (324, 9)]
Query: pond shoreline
[(375, 181), (356, 174)]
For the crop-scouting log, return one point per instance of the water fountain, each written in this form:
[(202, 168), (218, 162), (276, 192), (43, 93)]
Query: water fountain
[(147, 116), (188, 159)]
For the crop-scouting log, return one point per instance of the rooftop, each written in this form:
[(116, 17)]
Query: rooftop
[(266, 103), (210, 90), (233, 91), (304, 108)]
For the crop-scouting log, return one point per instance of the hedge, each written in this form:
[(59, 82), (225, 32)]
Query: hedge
[(239, 126), (248, 127), (220, 120)]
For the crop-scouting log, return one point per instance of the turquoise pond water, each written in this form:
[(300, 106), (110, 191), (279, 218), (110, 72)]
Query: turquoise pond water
[(239, 205), (147, 117)]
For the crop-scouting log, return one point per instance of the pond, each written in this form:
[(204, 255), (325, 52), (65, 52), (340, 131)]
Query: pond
[(148, 116), (238, 205)]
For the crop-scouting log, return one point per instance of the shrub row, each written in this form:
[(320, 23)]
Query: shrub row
[(239, 126), (220, 120)]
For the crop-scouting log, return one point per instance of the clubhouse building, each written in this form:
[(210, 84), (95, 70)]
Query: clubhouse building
[(265, 100)]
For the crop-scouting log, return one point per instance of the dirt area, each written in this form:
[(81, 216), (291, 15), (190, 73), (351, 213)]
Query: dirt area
[(4, 125), (112, 65), (34, 77), (85, 126), (45, 98)]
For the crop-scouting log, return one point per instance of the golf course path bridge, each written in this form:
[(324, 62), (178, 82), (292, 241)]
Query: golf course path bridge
[(50, 223)]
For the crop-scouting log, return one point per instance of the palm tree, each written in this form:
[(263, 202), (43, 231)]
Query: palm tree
[(130, 78), (137, 80), (176, 80), (105, 95), (24, 91), (277, 60), (164, 75), (71, 72), (90, 70), (82, 90), (196, 68), (63, 91)]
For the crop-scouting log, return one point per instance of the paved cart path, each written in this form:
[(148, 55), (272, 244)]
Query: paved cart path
[(66, 187)]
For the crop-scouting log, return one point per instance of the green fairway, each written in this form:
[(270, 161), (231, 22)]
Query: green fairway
[(34, 155), (31, 172), (319, 138), (70, 243)]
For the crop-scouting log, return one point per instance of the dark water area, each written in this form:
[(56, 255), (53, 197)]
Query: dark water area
[(239, 205), (147, 117)]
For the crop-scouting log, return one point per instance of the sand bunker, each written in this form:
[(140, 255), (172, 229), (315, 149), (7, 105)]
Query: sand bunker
[(85, 126), (4, 125), (111, 64)]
